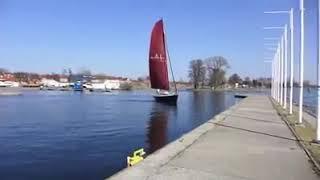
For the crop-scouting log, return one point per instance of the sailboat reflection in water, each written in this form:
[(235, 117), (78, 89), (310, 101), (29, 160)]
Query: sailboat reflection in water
[(158, 69), (157, 129)]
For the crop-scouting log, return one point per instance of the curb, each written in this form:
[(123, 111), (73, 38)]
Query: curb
[(315, 164)]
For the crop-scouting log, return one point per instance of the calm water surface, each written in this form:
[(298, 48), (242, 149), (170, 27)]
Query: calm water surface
[(67, 135), (310, 95)]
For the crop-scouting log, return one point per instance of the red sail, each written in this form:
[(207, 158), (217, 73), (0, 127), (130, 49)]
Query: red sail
[(158, 58)]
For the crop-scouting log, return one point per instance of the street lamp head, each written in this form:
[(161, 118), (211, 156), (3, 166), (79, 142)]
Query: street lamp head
[(276, 12), (270, 44), (273, 27), (271, 38), (272, 49)]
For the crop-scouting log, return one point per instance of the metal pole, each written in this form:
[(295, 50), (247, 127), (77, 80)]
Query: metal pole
[(285, 65), (291, 56), (301, 61), (281, 70), (272, 77), (291, 59), (278, 73), (318, 77), (273, 80), (272, 86)]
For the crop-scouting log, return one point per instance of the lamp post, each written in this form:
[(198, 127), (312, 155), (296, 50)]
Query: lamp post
[(282, 70), (273, 85), (285, 65), (275, 66), (278, 72), (291, 54), (275, 71), (272, 61), (291, 59), (283, 51), (269, 60), (318, 74), (301, 61), (281, 66)]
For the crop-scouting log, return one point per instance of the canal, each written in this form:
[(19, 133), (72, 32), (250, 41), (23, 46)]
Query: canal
[(68, 135)]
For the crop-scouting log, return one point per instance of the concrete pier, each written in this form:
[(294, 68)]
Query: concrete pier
[(248, 141)]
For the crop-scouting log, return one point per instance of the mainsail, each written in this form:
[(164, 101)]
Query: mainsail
[(158, 58)]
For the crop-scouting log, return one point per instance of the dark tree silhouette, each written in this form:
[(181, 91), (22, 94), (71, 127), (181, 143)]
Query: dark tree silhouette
[(197, 72), (217, 67)]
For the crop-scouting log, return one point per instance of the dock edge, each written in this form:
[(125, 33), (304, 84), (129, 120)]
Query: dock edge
[(162, 156)]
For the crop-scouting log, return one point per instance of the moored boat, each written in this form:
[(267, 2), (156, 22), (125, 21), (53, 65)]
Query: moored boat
[(78, 86)]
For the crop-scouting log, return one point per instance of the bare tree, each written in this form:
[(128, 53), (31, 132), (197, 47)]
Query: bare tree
[(64, 72), (217, 67), (21, 76), (26, 77), (70, 74), (197, 72)]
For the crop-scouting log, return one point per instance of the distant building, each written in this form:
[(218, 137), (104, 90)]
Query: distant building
[(64, 80), (4, 83), (50, 82), (7, 77), (107, 82), (112, 84), (8, 80), (97, 81)]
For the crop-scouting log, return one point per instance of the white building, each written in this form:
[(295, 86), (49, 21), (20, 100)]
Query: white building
[(98, 86), (50, 83), (64, 80), (8, 84), (112, 84)]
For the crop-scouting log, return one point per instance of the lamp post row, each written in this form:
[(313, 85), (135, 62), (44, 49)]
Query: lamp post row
[(280, 65)]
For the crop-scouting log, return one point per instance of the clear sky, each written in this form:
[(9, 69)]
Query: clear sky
[(112, 36)]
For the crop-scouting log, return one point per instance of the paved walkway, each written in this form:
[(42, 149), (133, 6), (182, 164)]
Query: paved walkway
[(252, 142)]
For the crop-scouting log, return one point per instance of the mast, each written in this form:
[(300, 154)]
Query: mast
[(167, 50)]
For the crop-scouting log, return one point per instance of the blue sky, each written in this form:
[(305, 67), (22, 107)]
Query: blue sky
[(113, 36)]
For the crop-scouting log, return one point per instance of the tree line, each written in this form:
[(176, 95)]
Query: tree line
[(211, 72)]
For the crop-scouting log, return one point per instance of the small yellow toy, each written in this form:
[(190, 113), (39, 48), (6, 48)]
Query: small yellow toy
[(136, 158)]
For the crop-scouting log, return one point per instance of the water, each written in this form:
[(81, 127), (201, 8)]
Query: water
[(68, 135), (309, 98)]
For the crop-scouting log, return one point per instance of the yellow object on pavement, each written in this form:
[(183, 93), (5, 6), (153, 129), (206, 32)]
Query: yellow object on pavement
[(136, 158)]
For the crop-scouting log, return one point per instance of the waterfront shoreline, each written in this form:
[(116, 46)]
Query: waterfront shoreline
[(171, 150), (209, 150)]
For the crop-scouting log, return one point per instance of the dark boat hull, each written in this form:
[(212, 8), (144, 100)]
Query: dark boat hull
[(168, 99), (240, 96)]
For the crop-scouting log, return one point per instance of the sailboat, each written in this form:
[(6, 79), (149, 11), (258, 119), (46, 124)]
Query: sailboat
[(158, 66)]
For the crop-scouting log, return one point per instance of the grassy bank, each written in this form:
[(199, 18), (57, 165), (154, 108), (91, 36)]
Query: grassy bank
[(304, 132)]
